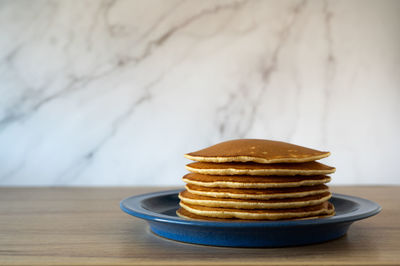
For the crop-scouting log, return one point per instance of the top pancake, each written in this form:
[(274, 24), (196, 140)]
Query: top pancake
[(256, 150)]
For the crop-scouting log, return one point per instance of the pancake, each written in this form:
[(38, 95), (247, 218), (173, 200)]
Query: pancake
[(193, 199), (264, 194), (181, 212), (245, 181), (308, 168), (325, 208), (256, 150)]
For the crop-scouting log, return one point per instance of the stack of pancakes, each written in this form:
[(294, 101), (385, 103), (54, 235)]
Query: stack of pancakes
[(254, 179)]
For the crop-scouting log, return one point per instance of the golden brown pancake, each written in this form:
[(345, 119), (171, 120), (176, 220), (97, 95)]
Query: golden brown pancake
[(325, 208), (254, 179), (245, 181), (181, 212), (193, 199), (308, 168), (264, 194), (256, 150)]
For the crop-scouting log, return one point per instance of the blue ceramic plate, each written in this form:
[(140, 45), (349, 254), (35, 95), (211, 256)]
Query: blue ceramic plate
[(158, 209)]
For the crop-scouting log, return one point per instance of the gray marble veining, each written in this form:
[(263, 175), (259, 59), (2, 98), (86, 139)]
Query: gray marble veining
[(115, 92)]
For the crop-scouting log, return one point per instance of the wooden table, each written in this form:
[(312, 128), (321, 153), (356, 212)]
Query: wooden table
[(84, 226)]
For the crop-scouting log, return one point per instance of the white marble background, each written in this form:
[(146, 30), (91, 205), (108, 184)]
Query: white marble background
[(115, 92)]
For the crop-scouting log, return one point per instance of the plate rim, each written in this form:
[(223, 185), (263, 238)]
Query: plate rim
[(368, 208)]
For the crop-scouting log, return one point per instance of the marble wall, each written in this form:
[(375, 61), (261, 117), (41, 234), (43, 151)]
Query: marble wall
[(115, 92)]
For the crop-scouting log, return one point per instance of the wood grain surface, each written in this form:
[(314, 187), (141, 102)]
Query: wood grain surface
[(84, 226)]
